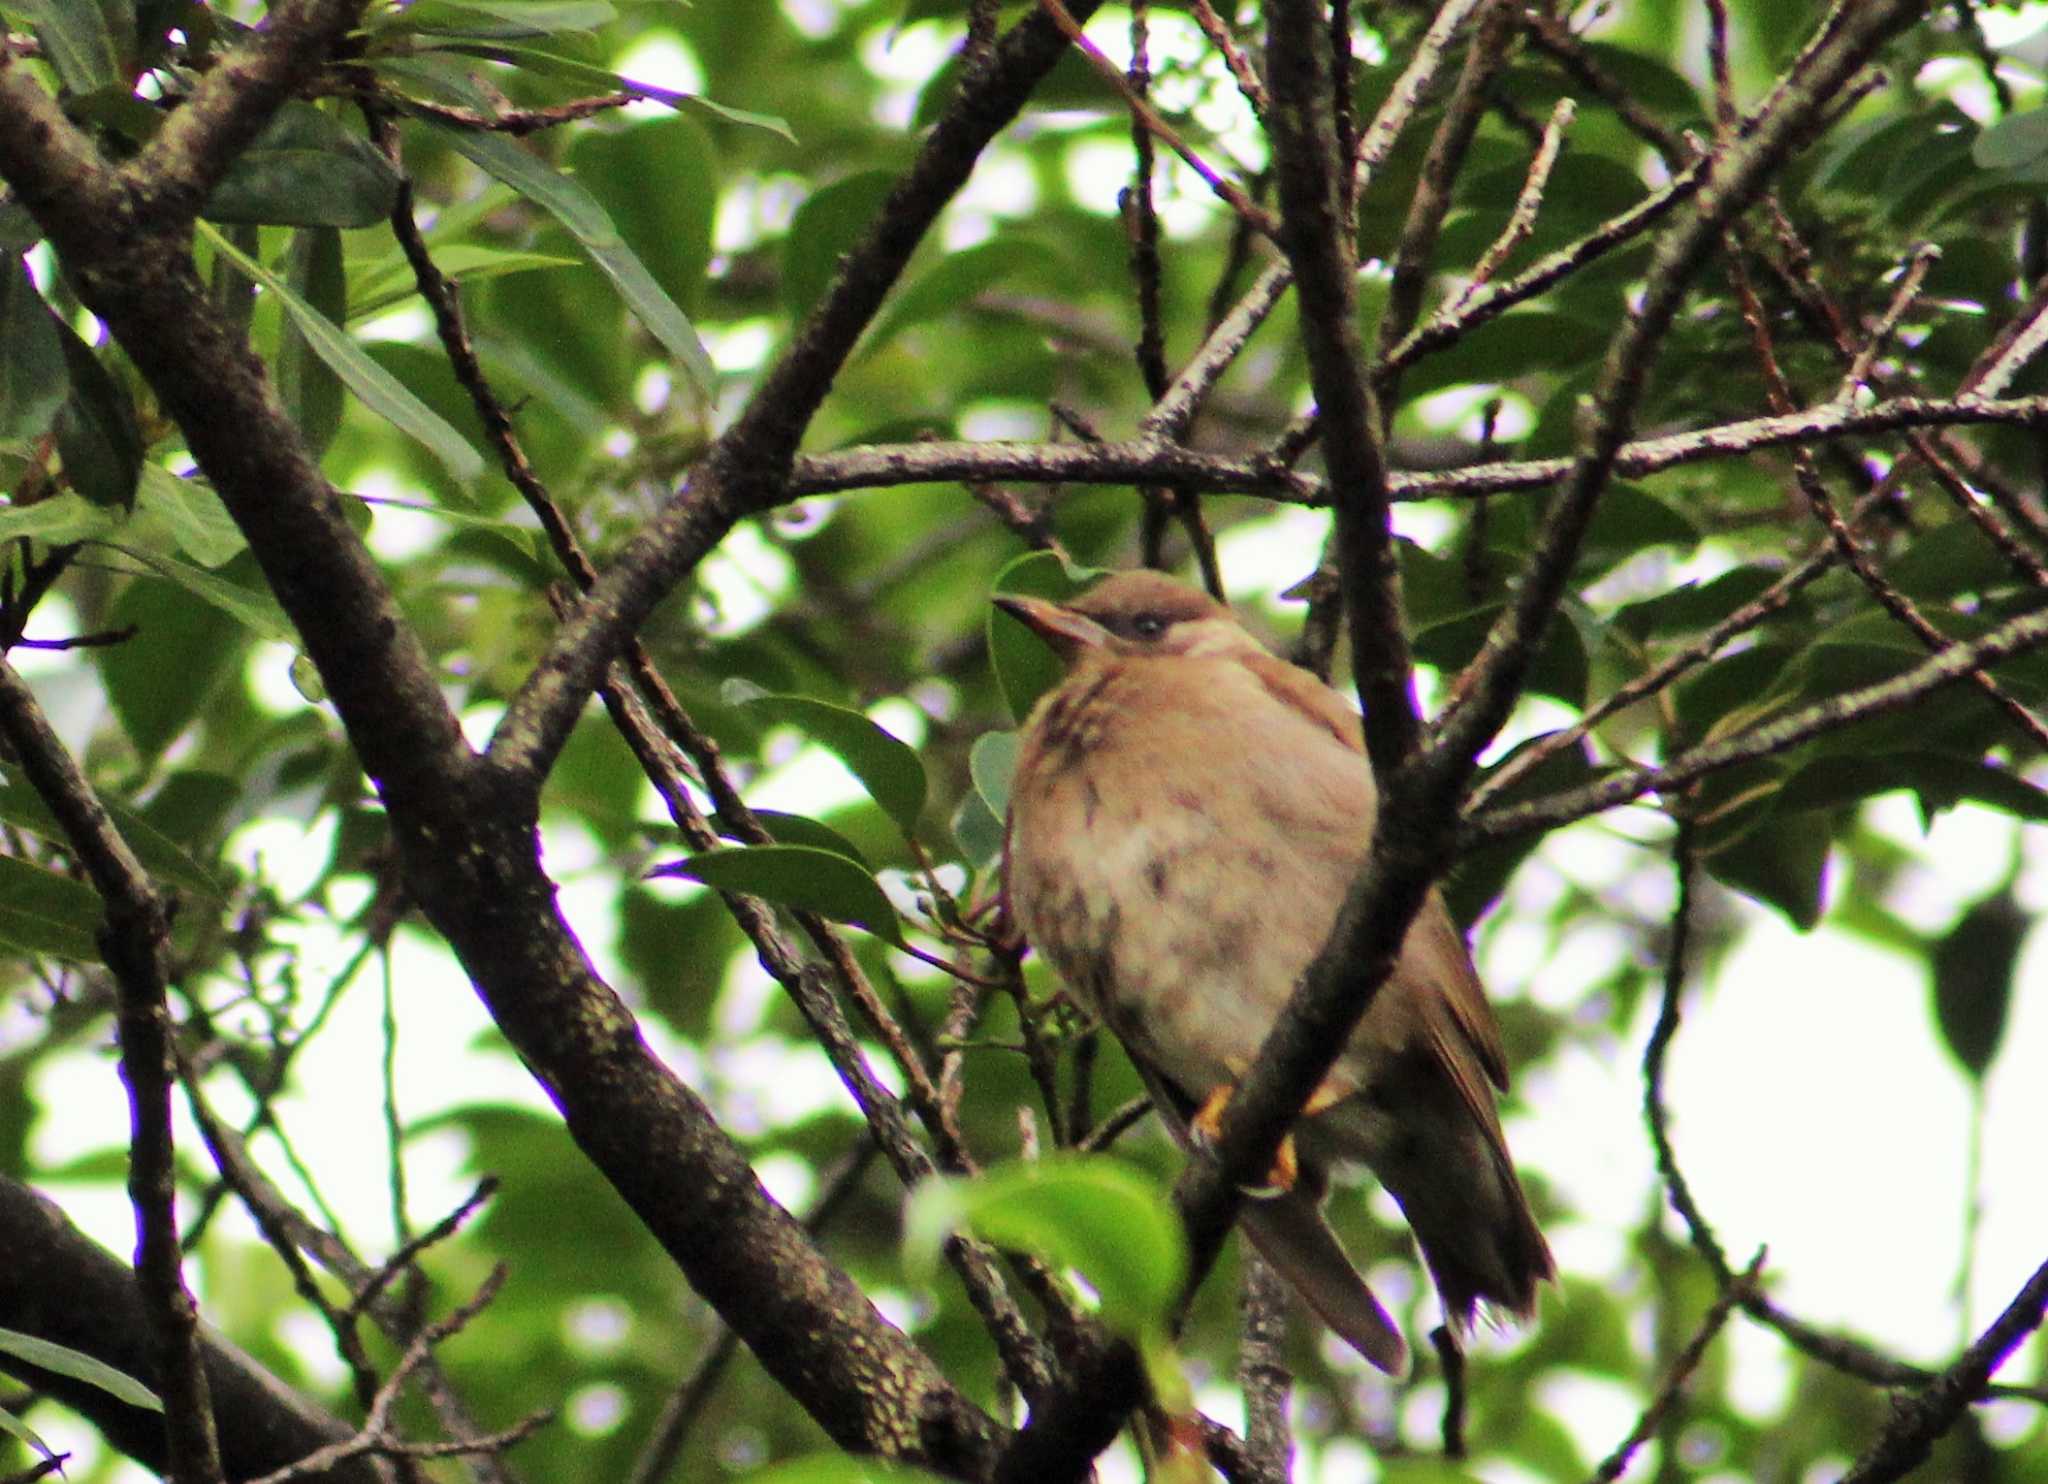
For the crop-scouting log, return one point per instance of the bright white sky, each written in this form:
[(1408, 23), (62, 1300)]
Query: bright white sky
[(1813, 1107)]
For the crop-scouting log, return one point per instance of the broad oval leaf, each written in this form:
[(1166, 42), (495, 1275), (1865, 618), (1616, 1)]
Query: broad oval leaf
[(797, 829), (1107, 1220), (887, 767), (96, 431), (1973, 979), (991, 762), (828, 223), (305, 170), (799, 876), (33, 379), (1025, 668)]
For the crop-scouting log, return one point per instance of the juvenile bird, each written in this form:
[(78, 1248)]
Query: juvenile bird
[(1186, 815)]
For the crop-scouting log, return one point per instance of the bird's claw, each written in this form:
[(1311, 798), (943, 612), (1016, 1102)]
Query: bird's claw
[(1207, 1124)]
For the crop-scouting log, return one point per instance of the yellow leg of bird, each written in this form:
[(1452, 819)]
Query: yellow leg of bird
[(1208, 1123)]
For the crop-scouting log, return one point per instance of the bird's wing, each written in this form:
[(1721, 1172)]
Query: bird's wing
[(1300, 691), (1435, 940), (1290, 1233)]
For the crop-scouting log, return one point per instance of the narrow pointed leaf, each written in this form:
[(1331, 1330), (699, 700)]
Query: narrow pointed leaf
[(578, 210), (378, 389), (79, 1367)]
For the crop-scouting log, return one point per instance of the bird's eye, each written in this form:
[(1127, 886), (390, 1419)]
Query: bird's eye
[(1148, 626)]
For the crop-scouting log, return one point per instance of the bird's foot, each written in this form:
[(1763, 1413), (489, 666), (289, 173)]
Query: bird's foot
[(1207, 1124)]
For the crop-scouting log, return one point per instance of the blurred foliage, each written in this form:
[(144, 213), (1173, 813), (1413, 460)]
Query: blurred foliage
[(625, 278)]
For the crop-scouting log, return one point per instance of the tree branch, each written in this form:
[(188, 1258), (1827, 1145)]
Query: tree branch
[(134, 939)]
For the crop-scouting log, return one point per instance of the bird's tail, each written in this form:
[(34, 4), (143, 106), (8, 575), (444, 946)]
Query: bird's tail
[(1290, 1233), (1472, 1221)]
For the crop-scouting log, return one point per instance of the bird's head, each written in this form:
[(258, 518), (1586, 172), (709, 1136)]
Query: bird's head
[(1133, 614)]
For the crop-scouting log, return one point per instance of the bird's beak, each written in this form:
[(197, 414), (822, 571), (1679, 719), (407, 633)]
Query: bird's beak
[(1065, 630)]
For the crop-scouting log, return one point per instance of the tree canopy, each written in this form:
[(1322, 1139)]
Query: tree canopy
[(501, 505)]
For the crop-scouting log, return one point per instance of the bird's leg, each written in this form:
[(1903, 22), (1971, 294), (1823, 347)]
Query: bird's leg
[(1207, 1124)]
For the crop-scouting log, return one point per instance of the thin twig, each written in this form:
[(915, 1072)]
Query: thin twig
[(1917, 1422), (1228, 192), (1522, 220), (1688, 1361)]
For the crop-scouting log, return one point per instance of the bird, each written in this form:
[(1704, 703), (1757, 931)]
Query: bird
[(1186, 814)]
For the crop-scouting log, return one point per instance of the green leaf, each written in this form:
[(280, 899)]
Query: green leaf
[(524, 538), (77, 42), (577, 210), (377, 388), (950, 284), (256, 611), (1691, 607), (1781, 862), (33, 379), (15, 1427), (198, 522), (1940, 781), (1973, 971), (1561, 667), (391, 282), (828, 223), (65, 1361), (162, 856), (1109, 1221), (305, 170), (307, 385), (96, 432), (2018, 142), (991, 763), (504, 18), (1025, 668), (796, 829), (887, 767), (44, 913), (799, 876), (976, 830), (197, 643), (58, 521)]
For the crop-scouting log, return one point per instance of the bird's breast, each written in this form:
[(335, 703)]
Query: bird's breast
[(1160, 859)]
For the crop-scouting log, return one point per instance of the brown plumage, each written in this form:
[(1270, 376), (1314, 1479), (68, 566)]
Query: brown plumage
[(1186, 815)]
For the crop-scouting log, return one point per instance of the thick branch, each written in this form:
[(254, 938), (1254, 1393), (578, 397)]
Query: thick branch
[(203, 135), (1139, 460), (467, 834), (1917, 1422), (1316, 233), (59, 1285), (134, 938)]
